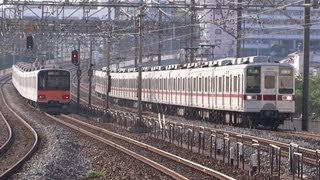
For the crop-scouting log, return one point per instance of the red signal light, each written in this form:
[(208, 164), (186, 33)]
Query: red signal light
[(75, 57)]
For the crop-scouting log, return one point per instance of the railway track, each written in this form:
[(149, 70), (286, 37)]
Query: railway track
[(310, 156), (21, 143), (163, 158)]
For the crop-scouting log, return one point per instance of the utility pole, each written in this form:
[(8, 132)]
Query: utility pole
[(78, 76), (90, 74), (192, 30), (306, 44), (108, 71), (136, 42), (14, 54), (239, 28), (160, 37), (140, 122)]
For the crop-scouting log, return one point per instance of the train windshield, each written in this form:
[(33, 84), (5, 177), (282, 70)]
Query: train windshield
[(253, 80), (54, 80), (286, 80)]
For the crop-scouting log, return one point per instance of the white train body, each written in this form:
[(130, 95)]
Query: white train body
[(254, 91), (47, 88)]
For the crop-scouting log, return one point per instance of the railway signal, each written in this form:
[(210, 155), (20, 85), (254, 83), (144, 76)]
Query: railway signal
[(30, 42), (75, 57)]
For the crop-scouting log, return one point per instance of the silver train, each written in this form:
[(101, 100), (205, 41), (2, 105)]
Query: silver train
[(246, 91)]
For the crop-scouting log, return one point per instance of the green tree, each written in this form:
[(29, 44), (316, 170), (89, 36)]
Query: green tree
[(314, 96)]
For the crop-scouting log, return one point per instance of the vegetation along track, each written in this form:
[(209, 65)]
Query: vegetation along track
[(20, 148), (160, 159)]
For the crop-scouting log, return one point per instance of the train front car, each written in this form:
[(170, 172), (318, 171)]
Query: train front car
[(269, 94), (53, 90)]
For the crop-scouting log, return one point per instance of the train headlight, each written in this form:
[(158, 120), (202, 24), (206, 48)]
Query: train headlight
[(287, 98), (41, 97), (251, 97), (65, 97)]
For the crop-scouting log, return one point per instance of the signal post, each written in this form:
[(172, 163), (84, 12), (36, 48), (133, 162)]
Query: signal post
[(75, 59)]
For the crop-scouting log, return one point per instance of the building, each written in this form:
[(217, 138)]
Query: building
[(296, 59), (273, 31)]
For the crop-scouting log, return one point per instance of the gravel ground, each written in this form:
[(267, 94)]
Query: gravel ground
[(65, 154)]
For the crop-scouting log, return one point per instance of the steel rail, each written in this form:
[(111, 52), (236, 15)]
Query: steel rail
[(11, 170), (153, 164), (186, 162), (8, 142)]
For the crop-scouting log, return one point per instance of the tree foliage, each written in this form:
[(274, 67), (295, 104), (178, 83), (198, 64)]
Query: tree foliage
[(314, 96)]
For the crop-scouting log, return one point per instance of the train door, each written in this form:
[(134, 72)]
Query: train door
[(227, 93), (196, 90), (203, 87), (223, 89), (216, 92), (185, 90), (238, 90), (179, 90), (269, 89), (190, 91), (230, 95)]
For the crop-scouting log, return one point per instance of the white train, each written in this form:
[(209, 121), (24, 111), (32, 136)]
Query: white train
[(45, 88), (248, 91)]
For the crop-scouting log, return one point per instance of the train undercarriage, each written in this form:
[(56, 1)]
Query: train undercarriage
[(265, 119)]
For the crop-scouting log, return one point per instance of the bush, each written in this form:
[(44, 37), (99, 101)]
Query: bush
[(95, 174)]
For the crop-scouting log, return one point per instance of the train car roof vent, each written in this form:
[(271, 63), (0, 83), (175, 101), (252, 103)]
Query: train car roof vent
[(204, 64), (246, 61), (190, 65), (184, 66)]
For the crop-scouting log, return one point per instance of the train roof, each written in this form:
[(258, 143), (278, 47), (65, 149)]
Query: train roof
[(28, 67), (229, 61)]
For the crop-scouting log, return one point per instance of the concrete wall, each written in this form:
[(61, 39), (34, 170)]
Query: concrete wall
[(314, 126)]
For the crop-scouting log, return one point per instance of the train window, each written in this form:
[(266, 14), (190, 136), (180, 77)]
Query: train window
[(286, 80), (165, 84), (194, 84), (269, 82), (220, 84), (235, 84), (223, 84), (231, 83), (53, 80), (253, 80), (200, 84), (182, 84), (143, 83), (206, 84), (227, 84), (213, 84)]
